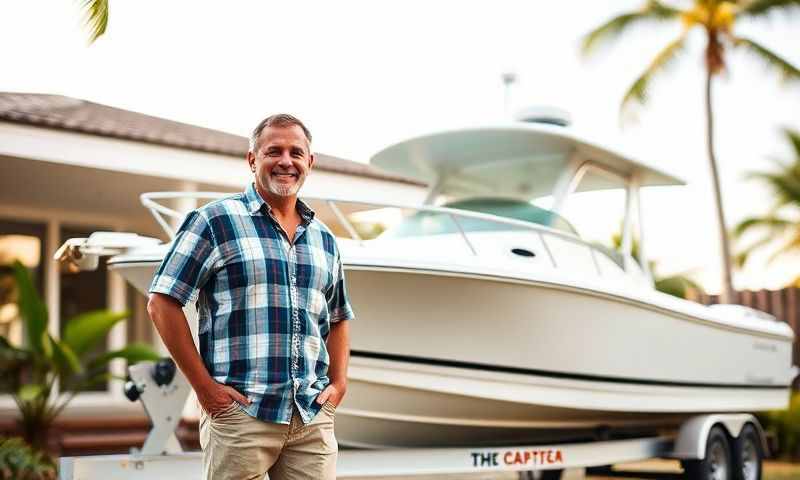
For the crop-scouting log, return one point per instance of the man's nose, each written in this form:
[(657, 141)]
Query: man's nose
[(285, 160)]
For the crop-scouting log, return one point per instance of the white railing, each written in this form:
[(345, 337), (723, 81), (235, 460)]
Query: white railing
[(162, 213)]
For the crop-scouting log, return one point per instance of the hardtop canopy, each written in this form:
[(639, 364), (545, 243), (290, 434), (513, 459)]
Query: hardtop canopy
[(520, 160)]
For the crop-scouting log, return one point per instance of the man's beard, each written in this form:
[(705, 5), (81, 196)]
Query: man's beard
[(282, 190)]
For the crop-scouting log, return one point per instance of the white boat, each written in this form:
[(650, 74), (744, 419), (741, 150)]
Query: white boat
[(490, 320)]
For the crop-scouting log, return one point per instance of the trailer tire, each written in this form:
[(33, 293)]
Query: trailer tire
[(551, 474), (541, 475), (747, 454), (718, 462)]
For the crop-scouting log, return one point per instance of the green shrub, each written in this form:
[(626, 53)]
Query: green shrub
[(784, 425), (31, 370), (18, 461)]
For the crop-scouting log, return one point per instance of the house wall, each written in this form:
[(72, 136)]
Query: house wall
[(57, 178)]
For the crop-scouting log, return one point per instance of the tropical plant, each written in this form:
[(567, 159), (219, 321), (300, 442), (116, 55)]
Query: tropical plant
[(679, 285), (96, 12), (18, 461), (782, 219), (31, 372), (784, 425), (716, 19)]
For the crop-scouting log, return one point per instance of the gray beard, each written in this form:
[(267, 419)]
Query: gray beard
[(284, 190)]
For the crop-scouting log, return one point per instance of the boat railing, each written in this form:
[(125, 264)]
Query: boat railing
[(162, 213)]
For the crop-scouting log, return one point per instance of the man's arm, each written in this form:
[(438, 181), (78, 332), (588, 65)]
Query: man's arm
[(338, 344), (171, 323)]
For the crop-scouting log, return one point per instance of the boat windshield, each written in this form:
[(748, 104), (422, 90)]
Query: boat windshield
[(424, 223)]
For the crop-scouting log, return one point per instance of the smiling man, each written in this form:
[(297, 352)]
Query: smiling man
[(274, 344)]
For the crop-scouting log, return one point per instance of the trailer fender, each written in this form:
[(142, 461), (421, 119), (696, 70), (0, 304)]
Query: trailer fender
[(690, 443)]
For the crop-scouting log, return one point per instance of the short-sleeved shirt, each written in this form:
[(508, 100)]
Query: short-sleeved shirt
[(265, 303)]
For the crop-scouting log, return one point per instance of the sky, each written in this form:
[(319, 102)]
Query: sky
[(363, 75)]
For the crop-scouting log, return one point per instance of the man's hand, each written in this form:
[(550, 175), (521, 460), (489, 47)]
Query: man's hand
[(216, 398), (333, 393)]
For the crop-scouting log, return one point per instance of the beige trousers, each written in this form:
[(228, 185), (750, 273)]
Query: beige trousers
[(238, 446)]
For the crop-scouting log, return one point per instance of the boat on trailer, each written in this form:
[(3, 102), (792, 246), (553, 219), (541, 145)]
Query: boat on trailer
[(485, 318)]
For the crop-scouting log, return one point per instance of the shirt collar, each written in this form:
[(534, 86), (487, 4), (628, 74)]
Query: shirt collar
[(255, 203)]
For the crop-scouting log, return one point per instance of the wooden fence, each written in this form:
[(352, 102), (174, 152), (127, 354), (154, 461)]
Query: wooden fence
[(783, 304)]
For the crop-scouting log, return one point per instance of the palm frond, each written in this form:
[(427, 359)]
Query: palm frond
[(785, 185), (612, 29), (639, 92), (96, 17), (741, 258), (771, 59), (771, 222), (793, 245), (760, 8), (794, 139)]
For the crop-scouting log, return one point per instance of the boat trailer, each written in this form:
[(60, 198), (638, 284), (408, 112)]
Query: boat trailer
[(706, 445)]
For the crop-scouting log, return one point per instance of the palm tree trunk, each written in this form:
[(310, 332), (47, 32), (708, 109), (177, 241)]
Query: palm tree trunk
[(727, 295)]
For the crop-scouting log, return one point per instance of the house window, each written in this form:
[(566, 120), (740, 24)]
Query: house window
[(83, 292), (24, 242)]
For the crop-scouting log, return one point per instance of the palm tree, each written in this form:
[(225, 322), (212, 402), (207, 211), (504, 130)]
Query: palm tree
[(778, 222), (96, 17), (717, 20)]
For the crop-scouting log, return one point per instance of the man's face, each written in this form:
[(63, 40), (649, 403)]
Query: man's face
[(281, 161)]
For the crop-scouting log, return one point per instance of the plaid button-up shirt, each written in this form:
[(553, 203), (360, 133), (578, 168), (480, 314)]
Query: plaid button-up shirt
[(265, 303)]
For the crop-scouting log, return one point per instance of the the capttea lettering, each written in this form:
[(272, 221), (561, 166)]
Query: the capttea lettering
[(517, 457)]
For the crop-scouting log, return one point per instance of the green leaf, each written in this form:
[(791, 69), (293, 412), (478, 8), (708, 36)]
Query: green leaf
[(85, 331), (677, 286), (29, 393), (31, 307), (65, 358), (793, 245), (614, 28), (794, 138), (133, 353), (773, 223), (13, 361), (639, 92), (47, 345), (96, 18), (770, 59), (757, 8)]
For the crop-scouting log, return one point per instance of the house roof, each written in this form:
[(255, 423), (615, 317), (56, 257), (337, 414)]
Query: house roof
[(75, 115)]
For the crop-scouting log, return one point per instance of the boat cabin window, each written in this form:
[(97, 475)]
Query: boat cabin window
[(597, 210), (435, 223)]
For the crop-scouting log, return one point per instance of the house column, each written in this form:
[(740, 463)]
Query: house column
[(117, 337)]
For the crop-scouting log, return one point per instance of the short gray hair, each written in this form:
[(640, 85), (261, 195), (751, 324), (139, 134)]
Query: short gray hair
[(280, 120)]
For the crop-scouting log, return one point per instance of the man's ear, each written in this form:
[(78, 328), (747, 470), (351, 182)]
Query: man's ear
[(311, 159), (251, 160)]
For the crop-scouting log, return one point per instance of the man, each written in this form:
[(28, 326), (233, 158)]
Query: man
[(274, 344)]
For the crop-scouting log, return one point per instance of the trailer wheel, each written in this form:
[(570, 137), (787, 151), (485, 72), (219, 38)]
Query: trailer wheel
[(551, 474), (541, 475), (747, 455), (718, 462)]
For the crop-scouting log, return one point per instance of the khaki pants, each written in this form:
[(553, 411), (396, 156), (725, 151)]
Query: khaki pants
[(237, 446)]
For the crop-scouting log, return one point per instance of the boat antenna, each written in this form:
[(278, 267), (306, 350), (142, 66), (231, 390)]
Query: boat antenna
[(509, 79)]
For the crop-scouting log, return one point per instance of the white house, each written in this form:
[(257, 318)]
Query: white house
[(69, 167)]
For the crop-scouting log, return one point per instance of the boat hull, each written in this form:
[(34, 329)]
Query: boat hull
[(434, 363)]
